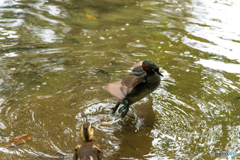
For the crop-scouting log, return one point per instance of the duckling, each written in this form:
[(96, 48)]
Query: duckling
[(132, 89), (89, 149)]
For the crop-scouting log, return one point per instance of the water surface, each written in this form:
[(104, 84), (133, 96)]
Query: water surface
[(51, 81)]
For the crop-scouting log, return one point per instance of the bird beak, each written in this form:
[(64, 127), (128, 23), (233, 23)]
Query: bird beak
[(159, 73)]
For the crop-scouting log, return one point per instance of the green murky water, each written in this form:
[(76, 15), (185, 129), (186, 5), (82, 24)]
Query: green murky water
[(50, 85)]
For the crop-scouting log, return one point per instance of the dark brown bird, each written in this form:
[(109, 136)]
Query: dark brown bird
[(131, 89), (89, 149)]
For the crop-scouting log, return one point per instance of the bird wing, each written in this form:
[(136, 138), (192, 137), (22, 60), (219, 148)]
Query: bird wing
[(99, 151), (138, 64), (121, 88), (138, 70), (131, 82), (117, 90)]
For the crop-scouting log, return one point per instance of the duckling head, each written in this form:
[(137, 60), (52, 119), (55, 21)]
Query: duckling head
[(87, 131), (150, 67)]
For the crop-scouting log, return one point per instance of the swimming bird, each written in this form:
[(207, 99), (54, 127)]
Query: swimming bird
[(89, 149), (132, 89)]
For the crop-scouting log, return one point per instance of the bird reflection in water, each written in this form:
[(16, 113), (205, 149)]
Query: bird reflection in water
[(135, 143)]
